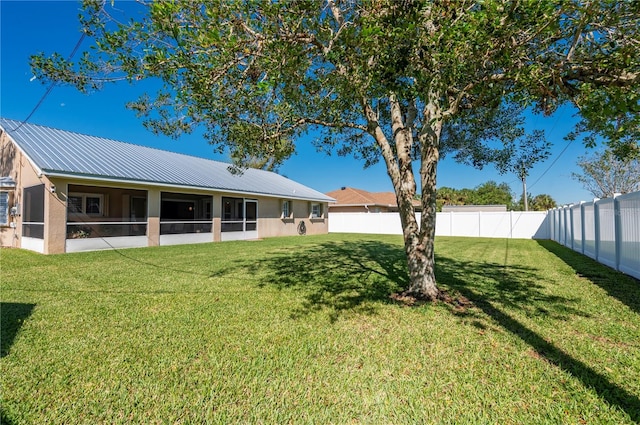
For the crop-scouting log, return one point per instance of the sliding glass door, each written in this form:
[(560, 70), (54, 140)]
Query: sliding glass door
[(239, 219)]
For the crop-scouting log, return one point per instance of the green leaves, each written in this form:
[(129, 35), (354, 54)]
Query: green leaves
[(291, 66), (605, 174)]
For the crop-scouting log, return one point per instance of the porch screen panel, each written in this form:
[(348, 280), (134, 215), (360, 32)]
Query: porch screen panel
[(182, 213), (33, 212), (252, 215), (232, 214)]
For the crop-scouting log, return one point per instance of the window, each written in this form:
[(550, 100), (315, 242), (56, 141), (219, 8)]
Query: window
[(85, 203), (316, 211), (286, 209), (4, 208)]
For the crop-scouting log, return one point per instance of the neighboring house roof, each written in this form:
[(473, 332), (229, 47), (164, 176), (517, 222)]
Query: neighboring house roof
[(66, 154), (348, 196)]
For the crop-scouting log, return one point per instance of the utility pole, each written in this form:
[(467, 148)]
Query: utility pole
[(523, 177)]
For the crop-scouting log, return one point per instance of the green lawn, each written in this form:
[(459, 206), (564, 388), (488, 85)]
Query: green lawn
[(302, 330)]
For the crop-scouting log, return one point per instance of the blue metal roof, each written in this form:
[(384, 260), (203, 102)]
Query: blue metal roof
[(63, 153)]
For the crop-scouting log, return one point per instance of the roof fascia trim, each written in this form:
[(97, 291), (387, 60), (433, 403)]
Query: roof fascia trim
[(176, 186)]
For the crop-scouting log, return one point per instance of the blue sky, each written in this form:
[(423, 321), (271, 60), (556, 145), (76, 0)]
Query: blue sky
[(28, 27)]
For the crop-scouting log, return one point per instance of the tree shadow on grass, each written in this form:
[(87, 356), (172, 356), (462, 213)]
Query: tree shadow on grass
[(496, 289), (4, 419), (12, 316), (352, 276), (624, 288), (339, 276)]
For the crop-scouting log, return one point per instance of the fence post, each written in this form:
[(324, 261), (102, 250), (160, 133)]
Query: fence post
[(582, 227), (596, 225), (511, 224), (569, 225), (618, 228)]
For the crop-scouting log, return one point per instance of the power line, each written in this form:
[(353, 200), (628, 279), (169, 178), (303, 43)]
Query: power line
[(553, 127), (51, 86), (554, 161)]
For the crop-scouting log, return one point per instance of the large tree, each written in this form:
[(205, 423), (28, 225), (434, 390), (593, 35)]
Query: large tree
[(488, 193), (542, 202), (402, 81), (492, 193), (604, 174)]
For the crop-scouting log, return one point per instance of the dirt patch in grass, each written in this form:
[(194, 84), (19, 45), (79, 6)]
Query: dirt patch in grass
[(458, 302)]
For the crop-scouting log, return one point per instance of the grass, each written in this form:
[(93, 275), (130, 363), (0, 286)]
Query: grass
[(302, 330)]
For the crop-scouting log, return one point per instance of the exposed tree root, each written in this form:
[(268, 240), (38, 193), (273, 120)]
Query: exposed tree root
[(411, 299)]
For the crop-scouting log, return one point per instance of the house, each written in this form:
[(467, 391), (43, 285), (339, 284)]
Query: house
[(64, 192), (349, 199)]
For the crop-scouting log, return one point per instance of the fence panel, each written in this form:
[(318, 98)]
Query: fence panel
[(494, 225), (444, 224), (589, 229), (524, 225), (628, 209), (576, 227), (561, 226), (530, 225), (465, 224), (555, 233), (607, 230), (567, 238), (375, 223), (607, 235)]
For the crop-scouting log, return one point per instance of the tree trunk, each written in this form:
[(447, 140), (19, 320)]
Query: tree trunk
[(418, 239), (421, 263)]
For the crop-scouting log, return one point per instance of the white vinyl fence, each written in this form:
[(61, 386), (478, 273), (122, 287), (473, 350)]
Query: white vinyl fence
[(510, 224), (607, 230)]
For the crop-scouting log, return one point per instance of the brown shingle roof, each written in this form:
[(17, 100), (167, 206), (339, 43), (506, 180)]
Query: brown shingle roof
[(352, 196)]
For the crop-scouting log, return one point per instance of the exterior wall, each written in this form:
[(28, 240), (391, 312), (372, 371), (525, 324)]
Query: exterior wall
[(16, 165), (272, 224), (153, 217), (10, 167), (55, 218)]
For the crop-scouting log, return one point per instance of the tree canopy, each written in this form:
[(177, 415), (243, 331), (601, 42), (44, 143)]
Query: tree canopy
[(398, 81), (489, 193), (605, 174)]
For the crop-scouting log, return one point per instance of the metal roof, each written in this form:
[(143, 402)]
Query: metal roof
[(64, 153)]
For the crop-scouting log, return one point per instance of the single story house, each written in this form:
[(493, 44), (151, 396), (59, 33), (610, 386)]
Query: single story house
[(349, 199), (64, 192)]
